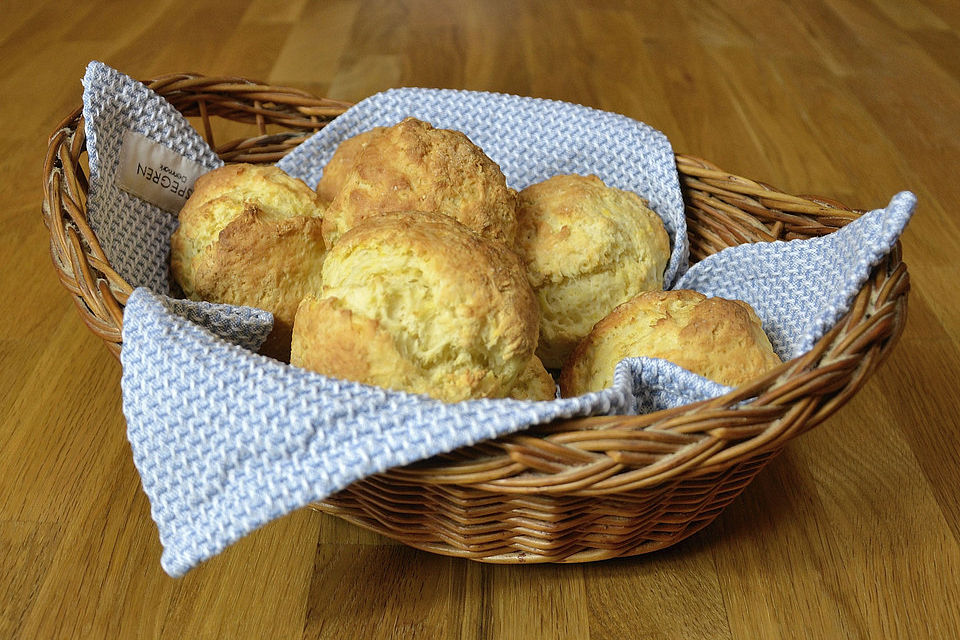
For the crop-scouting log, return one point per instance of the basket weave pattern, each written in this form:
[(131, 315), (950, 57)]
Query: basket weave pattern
[(577, 489)]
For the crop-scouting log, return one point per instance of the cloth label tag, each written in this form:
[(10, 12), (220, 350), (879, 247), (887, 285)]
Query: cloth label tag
[(155, 173)]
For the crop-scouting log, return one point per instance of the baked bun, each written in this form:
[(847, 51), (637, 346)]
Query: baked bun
[(719, 339), (412, 166), (417, 302), (534, 383), (587, 248), (338, 169), (251, 235)]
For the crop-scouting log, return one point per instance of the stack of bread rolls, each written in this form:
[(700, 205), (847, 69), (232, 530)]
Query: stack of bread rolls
[(413, 266)]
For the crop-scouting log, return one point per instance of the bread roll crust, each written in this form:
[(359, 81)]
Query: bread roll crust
[(266, 264), (720, 339), (337, 170), (251, 235), (587, 247), (413, 166), (534, 383), (451, 312)]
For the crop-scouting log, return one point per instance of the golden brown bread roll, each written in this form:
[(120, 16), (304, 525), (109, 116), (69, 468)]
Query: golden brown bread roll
[(413, 166), (251, 235), (588, 248), (417, 302), (719, 339), (338, 169)]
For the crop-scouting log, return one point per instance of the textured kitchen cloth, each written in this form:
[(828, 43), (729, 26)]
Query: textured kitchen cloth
[(801, 288), (226, 440), (134, 233)]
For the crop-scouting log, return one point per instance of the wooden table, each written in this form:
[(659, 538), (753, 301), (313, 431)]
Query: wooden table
[(853, 532)]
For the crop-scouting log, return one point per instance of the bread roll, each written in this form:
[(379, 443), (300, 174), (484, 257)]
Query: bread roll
[(413, 166), (417, 302), (722, 340), (251, 235), (588, 247)]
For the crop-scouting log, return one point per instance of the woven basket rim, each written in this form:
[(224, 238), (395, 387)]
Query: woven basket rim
[(565, 457)]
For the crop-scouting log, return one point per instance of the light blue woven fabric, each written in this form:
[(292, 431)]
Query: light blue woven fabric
[(246, 327), (801, 288), (134, 233), (226, 440)]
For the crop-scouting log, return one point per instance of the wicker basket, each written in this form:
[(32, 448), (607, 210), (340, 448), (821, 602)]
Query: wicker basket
[(573, 490)]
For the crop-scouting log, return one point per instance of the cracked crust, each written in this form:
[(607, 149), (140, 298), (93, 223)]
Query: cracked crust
[(336, 172), (251, 235), (417, 302), (412, 166), (258, 262)]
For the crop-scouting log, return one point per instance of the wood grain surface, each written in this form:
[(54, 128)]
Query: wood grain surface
[(853, 532)]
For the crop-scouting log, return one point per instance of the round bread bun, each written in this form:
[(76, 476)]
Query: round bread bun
[(338, 169), (720, 339), (534, 383), (413, 166), (251, 235), (587, 247), (417, 302)]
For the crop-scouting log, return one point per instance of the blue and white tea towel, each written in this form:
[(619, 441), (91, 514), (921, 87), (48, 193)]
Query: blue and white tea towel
[(226, 440), (134, 234)]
